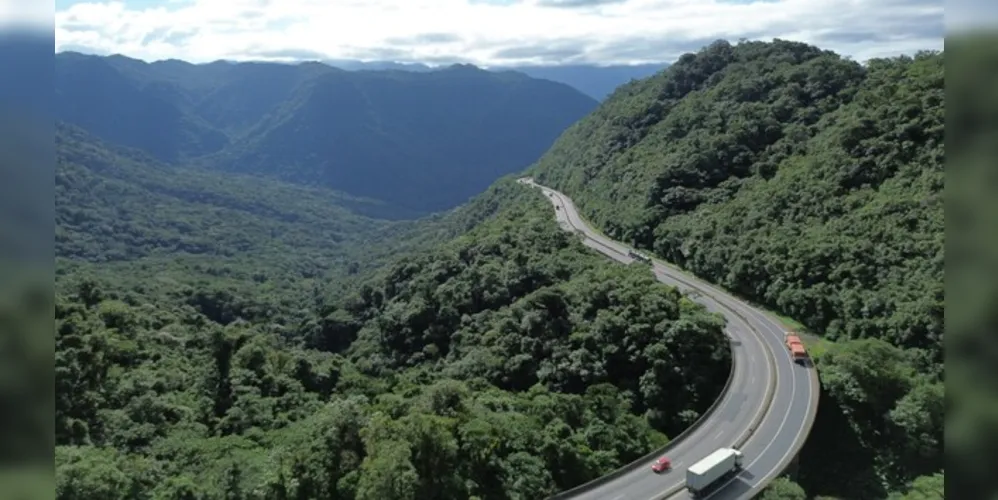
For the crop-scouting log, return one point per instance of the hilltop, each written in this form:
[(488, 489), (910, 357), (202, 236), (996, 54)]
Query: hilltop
[(423, 141)]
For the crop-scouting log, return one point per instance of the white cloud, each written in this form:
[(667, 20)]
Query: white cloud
[(25, 14), (486, 32)]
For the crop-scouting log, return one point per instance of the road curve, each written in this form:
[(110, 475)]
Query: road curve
[(767, 412)]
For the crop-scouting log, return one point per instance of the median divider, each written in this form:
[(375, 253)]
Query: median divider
[(770, 393)]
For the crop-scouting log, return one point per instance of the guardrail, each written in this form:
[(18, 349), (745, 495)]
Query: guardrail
[(770, 393), (663, 449)]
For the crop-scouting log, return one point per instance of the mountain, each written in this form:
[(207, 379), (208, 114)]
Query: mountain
[(594, 80), (420, 141), (597, 82), (115, 207), (811, 184)]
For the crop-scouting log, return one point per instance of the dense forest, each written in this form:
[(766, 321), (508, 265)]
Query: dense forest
[(422, 141), (507, 363), (810, 184)]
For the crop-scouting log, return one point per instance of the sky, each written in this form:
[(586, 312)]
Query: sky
[(486, 32)]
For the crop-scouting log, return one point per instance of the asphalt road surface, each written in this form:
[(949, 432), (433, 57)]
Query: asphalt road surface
[(771, 401)]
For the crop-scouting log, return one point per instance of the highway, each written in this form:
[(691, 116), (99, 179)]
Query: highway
[(767, 411)]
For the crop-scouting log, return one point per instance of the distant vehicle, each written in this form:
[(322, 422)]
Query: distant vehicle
[(796, 347), (639, 256), (701, 476), (661, 465)]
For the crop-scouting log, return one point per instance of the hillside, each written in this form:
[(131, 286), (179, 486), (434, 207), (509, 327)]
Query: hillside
[(813, 185), (119, 211), (488, 367), (421, 141)]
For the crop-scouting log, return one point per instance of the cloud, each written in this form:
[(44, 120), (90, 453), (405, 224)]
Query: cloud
[(423, 38), (576, 3), (488, 32), (286, 54)]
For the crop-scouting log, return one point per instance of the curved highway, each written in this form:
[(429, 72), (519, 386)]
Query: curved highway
[(767, 411)]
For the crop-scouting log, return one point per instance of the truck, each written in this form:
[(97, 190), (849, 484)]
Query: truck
[(720, 464), (796, 347)]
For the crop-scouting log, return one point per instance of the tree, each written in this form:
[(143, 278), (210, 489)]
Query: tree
[(783, 489)]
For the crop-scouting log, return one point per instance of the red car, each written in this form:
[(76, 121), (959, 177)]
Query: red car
[(662, 464)]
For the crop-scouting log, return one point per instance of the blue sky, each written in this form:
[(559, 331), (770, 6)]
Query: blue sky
[(486, 31)]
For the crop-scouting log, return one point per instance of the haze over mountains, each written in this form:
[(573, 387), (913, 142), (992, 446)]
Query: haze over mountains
[(423, 141), (596, 81)]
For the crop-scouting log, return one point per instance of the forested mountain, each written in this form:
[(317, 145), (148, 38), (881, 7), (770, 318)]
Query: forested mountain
[(120, 213), (508, 363), (422, 141), (811, 184)]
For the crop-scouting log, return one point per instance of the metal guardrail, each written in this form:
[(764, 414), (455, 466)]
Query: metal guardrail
[(662, 450)]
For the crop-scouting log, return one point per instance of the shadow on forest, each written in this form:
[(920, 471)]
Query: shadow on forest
[(834, 461)]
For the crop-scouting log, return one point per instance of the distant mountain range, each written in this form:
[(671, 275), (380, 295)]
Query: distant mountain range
[(421, 140), (596, 81)]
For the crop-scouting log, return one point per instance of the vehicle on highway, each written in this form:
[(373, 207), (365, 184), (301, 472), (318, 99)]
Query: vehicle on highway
[(706, 473), (639, 256), (796, 347), (661, 465)]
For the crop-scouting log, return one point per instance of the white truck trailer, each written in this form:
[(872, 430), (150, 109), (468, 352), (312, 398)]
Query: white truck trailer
[(707, 472)]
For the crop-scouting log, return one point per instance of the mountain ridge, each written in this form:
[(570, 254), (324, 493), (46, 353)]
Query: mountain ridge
[(595, 80), (422, 141)]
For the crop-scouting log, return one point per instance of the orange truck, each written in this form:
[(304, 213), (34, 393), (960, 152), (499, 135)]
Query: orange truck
[(796, 347)]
